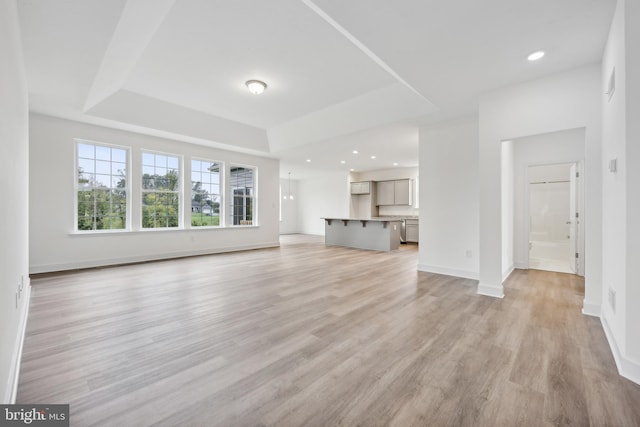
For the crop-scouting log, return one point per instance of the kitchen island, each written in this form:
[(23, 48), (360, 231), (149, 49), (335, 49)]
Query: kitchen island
[(377, 234)]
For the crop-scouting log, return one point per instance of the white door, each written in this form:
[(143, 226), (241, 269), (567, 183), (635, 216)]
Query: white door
[(573, 219)]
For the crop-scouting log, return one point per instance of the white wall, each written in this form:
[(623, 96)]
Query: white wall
[(54, 246), (562, 101), (391, 174), (289, 213), (621, 202), (555, 147), (632, 89), (14, 173), (614, 185), (449, 199), (322, 197), (507, 188)]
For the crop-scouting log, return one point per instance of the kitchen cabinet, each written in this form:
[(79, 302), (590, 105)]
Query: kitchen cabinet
[(363, 187), (412, 230), (386, 193), (397, 192), (402, 192)]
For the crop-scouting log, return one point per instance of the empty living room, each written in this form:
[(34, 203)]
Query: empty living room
[(319, 213)]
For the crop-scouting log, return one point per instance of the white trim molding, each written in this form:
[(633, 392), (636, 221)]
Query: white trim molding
[(11, 390), (590, 309), (466, 274), (36, 269), (507, 273), (630, 369), (521, 265), (491, 290)]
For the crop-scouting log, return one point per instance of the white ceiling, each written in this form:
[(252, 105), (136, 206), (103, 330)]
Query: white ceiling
[(342, 74)]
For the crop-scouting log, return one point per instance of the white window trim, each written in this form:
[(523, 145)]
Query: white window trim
[(128, 150), (180, 191), (223, 210), (254, 220)]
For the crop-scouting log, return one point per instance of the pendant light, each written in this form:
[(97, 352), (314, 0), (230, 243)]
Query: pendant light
[(289, 195)]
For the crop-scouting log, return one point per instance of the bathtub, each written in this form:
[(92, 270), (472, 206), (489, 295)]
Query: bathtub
[(554, 249), (551, 255)]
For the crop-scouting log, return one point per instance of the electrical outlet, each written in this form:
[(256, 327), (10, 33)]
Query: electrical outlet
[(468, 253), (612, 299)]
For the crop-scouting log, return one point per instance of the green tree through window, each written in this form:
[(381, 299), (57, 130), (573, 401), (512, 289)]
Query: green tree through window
[(205, 193), (160, 191), (102, 179)]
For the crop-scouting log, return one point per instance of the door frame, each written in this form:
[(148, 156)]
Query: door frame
[(580, 184)]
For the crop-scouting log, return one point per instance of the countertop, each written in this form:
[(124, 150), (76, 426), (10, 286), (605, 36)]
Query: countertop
[(376, 219), (399, 217)]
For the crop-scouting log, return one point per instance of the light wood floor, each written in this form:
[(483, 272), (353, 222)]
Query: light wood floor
[(307, 335)]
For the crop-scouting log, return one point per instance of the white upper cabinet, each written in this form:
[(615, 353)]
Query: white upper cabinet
[(397, 192), (361, 187), (386, 193), (402, 194)]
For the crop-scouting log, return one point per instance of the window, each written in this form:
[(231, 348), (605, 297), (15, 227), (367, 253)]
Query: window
[(242, 204), (101, 187), (160, 190), (205, 193)]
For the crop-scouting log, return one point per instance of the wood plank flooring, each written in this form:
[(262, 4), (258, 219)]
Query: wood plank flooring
[(308, 335)]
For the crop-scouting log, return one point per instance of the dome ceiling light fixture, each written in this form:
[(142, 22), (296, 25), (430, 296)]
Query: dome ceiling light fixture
[(535, 55), (256, 87)]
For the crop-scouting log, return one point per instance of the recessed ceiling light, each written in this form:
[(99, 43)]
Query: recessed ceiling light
[(308, 160), (355, 151), (256, 87), (351, 170), (373, 157), (395, 164), (535, 55), (343, 161)]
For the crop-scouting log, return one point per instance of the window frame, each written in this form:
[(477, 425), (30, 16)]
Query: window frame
[(221, 185), (179, 190), (231, 196), (76, 187)]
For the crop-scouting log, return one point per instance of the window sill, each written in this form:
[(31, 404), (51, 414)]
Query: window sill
[(155, 230)]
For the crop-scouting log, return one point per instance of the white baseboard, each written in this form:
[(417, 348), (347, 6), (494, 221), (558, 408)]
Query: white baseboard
[(448, 271), (491, 290), (629, 369), (35, 269), (506, 273), (11, 390), (590, 309), (521, 265)]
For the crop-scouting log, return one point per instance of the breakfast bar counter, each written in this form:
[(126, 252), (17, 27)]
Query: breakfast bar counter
[(377, 234)]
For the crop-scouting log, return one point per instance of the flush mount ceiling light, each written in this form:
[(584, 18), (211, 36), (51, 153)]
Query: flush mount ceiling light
[(535, 55), (256, 87), (373, 157), (343, 161), (355, 151)]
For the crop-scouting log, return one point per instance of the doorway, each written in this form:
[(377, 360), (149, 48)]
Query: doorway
[(553, 218)]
